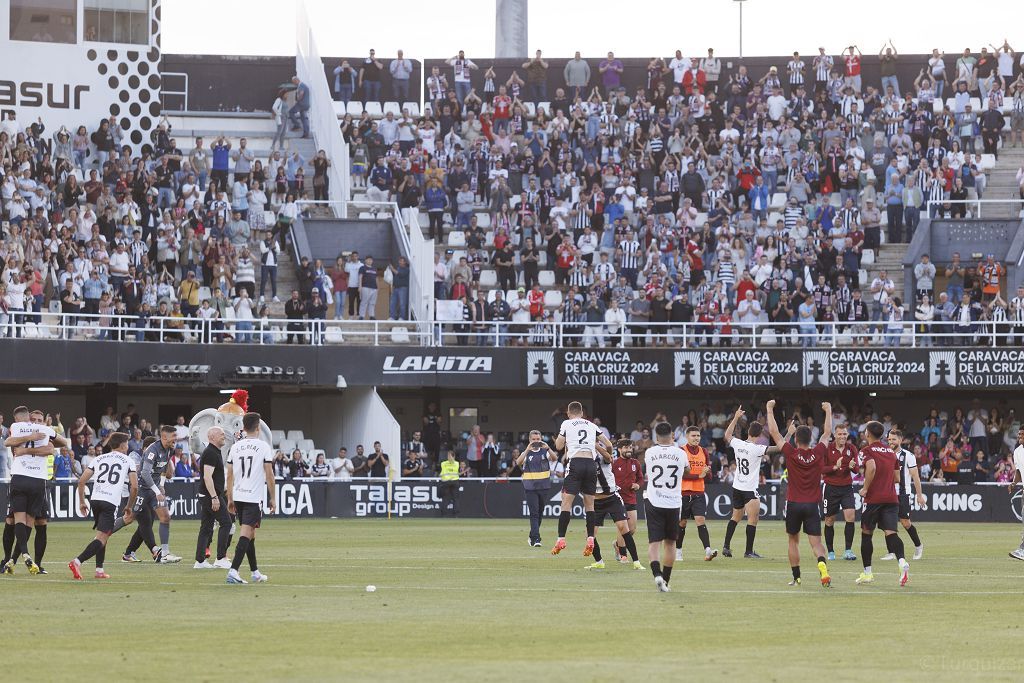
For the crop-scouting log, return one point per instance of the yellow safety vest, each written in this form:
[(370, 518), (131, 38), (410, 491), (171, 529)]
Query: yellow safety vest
[(49, 467), (449, 470)]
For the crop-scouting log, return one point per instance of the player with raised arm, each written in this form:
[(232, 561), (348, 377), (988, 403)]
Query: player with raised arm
[(803, 495), (908, 472), (153, 473), (112, 470), (250, 478), (695, 503), (31, 446), (666, 464), (841, 461), (608, 502), (745, 498), (579, 438), (881, 505)]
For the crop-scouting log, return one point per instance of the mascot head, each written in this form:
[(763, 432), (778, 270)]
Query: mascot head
[(238, 404)]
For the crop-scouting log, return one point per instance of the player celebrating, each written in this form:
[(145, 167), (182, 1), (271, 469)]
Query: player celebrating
[(31, 446), (607, 501), (250, 474), (803, 494), (629, 477), (841, 461), (908, 471), (579, 437), (881, 505), (666, 465), (695, 504), (745, 500), (113, 469)]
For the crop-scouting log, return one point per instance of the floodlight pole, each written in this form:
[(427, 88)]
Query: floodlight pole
[(741, 25)]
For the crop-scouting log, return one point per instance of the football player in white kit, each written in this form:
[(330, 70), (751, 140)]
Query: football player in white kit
[(608, 502), (579, 437), (250, 478), (666, 464), (745, 499), (1018, 475), (31, 445), (112, 470), (908, 473)]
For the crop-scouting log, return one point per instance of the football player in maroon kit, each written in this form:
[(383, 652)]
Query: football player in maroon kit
[(629, 476), (841, 462), (881, 504), (803, 495)]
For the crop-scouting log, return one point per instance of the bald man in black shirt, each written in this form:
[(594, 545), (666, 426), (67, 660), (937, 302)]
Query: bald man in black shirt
[(213, 505)]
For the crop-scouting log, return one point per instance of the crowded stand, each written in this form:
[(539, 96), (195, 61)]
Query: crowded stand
[(722, 201), (702, 208)]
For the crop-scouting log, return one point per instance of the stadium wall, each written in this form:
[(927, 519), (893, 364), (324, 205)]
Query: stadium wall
[(504, 500)]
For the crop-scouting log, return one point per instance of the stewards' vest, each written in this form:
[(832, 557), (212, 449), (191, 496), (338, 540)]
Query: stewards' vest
[(698, 461), (449, 470), (49, 467), (536, 470)]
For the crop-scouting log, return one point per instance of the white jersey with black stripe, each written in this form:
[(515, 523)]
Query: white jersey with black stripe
[(605, 477), (580, 435)]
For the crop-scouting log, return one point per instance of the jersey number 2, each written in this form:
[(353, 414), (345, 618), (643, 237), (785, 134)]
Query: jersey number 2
[(583, 437)]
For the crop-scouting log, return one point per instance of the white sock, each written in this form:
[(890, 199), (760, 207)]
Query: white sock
[(99, 569), (867, 570), (77, 562), (166, 548)]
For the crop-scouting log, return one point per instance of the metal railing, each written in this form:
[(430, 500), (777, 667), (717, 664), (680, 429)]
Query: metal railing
[(938, 205), (165, 91), (547, 334)]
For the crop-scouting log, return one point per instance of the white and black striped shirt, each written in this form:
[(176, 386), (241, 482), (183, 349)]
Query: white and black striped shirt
[(713, 197), (605, 271), (790, 217), (848, 218), (1017, 305), (936, 192), (582, 217), (796, 71), (630, 254), (727, 272), (672, 178), (822, 67), (581, 278)]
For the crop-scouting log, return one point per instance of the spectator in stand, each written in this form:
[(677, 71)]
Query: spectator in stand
[(401, 71), (298, 115), (297, 468), (577, 76), (367, 277)]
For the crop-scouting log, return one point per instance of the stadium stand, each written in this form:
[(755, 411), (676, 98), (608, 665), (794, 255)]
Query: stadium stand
[(720, 207)]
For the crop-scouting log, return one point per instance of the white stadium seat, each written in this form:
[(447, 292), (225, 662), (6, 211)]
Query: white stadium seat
[(456, 239), (374, 109), (867, 257), (392, 107), (354, 108), (295, 435), (488, 278), (546, 278), (553, 298), (399, 335), (483, 220), (413, 107), (276, 437), (286, 446)]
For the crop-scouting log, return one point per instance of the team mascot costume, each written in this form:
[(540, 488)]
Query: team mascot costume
[(229, 418)]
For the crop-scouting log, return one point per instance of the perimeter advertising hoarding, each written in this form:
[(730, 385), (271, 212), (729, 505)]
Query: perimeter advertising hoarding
[(504, 500), (56, 362)]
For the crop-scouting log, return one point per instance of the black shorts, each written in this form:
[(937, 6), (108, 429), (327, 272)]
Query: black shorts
[(803, 516), (694, 506), (28, 495), (630, 507), (580, 476), (904, 506), (741, 498), (249, 514), (103, 515), (885, 516), (612, 506), (662, 523), (838, 498), (145, 499)]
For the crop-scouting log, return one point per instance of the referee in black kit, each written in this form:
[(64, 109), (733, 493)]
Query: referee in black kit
[(213, 504)]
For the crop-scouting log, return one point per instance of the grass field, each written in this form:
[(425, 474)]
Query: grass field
[(469, 600)]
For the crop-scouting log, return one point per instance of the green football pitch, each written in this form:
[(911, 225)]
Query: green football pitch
[(469, 600)]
